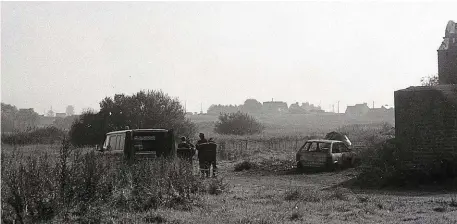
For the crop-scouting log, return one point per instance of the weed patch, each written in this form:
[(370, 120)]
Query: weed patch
[(245, 165)]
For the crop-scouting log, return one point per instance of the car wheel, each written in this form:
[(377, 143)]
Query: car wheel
[(299, 166)]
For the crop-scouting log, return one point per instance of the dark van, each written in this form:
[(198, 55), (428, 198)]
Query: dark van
[(140, 143)]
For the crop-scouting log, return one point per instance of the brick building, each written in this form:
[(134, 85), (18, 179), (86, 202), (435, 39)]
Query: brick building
[(447, 55), (426, 116)]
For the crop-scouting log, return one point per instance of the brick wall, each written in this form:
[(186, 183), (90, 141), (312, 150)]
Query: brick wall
[(447, 66), (426, 122)]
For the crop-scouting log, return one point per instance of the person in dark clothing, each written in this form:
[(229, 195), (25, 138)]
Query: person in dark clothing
[(185, 150), (202, 154), (212, 151)]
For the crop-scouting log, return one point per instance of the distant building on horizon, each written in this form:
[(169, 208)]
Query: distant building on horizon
[(357, 110), (275, 107)]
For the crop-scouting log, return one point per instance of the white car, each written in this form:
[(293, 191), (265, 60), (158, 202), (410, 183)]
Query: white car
[(330, 154)]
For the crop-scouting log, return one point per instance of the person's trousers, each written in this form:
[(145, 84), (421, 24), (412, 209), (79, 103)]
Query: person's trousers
[(205, 167)]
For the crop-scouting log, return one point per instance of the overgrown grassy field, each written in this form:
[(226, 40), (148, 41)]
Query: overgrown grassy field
[(257, 183)]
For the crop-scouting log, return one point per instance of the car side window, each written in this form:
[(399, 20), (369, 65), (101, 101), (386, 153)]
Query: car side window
[(313, 147), (344, 148), (336, 148), (305, 147)]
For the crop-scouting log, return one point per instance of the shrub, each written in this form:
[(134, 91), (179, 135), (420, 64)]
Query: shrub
[(48, 135), (216, 186), (245, 165), (238, 124), (384, 165)]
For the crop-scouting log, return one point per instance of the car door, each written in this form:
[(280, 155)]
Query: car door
[(348, 153), (337, 154)]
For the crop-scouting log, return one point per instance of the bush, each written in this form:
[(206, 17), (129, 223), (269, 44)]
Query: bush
[(48, 135), (384, 165), (238, 124), (245, 165)]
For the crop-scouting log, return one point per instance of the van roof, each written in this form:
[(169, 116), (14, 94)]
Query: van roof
[(138, 130)]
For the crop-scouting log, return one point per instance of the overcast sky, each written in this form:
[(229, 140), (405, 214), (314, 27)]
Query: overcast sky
[(76, 53)]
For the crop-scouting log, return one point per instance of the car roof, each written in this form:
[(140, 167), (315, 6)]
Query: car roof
[(323, 141), (138, 130)]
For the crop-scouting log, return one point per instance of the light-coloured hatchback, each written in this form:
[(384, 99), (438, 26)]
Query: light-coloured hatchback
[(330, 154)]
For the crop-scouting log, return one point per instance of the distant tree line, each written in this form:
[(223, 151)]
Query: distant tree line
[(14, 120), (25, 120), (145, 109)]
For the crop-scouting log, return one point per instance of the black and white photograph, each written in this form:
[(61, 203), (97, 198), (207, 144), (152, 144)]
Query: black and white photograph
[(238, 112)]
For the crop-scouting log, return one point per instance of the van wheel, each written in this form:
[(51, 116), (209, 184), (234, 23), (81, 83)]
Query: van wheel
[(336, 167)]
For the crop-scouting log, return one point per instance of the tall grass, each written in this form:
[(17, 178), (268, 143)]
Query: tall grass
[(41, 187)]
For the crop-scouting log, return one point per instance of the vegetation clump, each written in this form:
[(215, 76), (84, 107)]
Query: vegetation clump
[(71, 183), (238, 123), (48, 135), (151, 109)]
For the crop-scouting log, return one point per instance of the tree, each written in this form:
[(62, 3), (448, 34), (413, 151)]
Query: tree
[(50, 113), (238, 124), (8, 117), (65, 122), (431, 80), (151, 109), (252, 106), (88, 129), (26, 119), (70, 111)]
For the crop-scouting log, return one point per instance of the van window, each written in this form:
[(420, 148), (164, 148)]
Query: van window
[(105, 144), (112, 142), (149, 141), (121, 142)]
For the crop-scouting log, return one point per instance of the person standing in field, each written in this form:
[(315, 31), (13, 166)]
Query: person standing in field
[(202, 155), (212, 152), (185, 150)]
